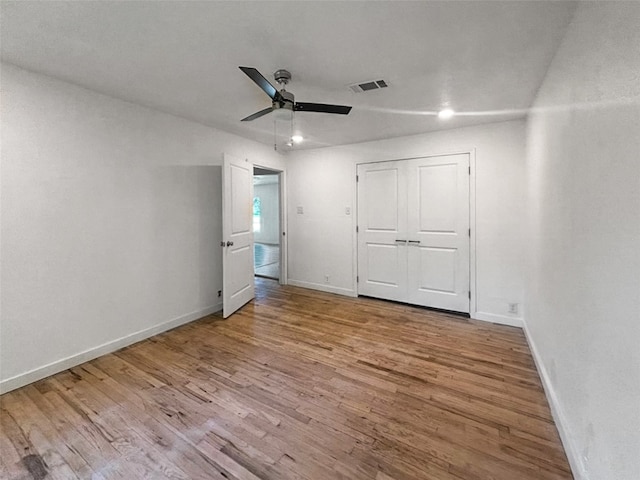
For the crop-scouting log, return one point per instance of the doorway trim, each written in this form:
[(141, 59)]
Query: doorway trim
[(283, 220)]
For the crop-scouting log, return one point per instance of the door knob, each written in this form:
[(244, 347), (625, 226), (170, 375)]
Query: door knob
[(229, 244)]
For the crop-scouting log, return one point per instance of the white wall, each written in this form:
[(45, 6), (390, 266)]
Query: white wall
[(322, 240), (583, 305), (269, 195), (111, 222)]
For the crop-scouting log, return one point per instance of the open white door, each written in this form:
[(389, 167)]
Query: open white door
[(237, 234)]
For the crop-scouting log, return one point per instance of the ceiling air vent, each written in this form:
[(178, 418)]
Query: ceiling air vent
[(372, 85)]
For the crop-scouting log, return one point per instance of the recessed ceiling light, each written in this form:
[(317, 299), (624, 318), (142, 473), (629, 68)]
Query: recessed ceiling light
[(297, 138), (446, 114)]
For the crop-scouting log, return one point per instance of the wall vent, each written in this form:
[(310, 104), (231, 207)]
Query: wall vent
[(366, 86)]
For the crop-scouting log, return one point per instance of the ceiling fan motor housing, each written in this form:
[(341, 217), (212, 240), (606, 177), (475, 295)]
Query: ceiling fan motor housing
[(282, 76), (286, 100)]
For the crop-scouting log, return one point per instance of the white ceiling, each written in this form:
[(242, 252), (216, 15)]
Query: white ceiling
[(483, 58)]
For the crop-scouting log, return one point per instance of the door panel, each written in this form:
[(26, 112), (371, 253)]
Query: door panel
[(237, 259), (438, 253), (382, 200), (437, 269), (382, 220), (437, 192), (240, 258), (241, 185), (382, 261)]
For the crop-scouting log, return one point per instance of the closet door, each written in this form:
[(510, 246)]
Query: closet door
[(382, 228), (438, 232)]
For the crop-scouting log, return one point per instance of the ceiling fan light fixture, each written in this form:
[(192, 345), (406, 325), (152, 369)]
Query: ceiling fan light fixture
[(297, 138), (446, 114)]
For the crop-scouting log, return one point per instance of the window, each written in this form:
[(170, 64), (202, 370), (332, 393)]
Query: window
[(256, 214)]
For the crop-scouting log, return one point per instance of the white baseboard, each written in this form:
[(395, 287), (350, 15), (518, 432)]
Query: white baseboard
[(69, 362), (557, 412), (323, 288), (499, 319)]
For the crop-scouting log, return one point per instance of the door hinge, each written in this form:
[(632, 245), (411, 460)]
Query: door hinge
[(357, 178), (469, 294), (469, 170), (357, 279), (357, 229), (469, 232)]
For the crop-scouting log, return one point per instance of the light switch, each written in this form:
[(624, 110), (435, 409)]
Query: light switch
[(347, 211)]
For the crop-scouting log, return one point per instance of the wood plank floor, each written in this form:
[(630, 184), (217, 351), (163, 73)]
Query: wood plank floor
[(297, 385)]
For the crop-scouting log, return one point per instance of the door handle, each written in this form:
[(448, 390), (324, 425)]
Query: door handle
[(229, 244), (414, 242), (401, 241)]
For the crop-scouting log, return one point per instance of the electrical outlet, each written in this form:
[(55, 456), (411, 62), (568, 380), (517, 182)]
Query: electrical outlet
[(326, 279), (513, 308), (300, 210), (219, 293), (347, 210)]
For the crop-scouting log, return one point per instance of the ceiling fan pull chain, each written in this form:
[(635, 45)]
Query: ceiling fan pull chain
[(275, 137)]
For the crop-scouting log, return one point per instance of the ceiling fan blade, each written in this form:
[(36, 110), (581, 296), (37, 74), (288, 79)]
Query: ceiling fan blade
[(322, 108), (257, 114), (262, 82)]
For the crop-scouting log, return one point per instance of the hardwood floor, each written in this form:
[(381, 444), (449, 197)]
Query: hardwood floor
[(297, 385), (266, 260)]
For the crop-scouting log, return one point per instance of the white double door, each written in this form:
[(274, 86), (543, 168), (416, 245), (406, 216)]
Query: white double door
[(413, 231)]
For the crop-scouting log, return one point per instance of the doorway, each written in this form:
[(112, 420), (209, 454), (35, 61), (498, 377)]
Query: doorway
[(266, 223)]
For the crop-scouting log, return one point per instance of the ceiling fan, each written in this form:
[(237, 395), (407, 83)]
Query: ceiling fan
[(285, 100)]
